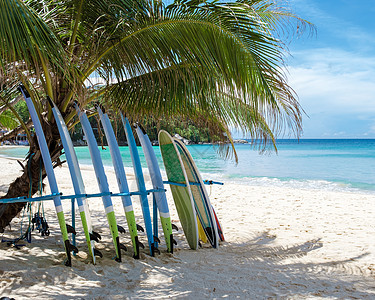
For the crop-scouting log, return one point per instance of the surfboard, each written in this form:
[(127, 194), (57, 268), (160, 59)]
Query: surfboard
[(78, 185), (182, 196), (202, 234), (50, 174), (102, 180), (157, 182), (121, 179), (201, 200), (219, 228), (140, 183)]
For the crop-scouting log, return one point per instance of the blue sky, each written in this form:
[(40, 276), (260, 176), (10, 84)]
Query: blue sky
[(333, 72)]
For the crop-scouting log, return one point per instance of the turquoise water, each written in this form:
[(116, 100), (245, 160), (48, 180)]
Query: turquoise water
[(323, 164)]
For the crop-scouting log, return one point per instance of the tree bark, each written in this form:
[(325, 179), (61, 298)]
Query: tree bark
[(31, 173)]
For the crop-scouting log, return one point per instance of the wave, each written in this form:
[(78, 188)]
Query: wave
[(303, 184)]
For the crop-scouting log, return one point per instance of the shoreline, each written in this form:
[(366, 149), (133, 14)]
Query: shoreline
[(304, 184), (280, 243)]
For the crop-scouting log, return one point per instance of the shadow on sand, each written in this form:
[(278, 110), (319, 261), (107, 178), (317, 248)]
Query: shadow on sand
[(251, 270)]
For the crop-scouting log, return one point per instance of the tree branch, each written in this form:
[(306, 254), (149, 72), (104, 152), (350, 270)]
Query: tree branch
[(12, 103), (13, 133)]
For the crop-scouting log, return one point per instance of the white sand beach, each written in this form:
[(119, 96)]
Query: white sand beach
[(280, 243)]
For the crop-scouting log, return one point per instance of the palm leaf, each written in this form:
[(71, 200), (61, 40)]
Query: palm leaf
[(26, 38), (8, 121)]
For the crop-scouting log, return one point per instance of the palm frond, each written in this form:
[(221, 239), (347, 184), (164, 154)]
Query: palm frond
[(8, 120), (229, 45), (23, 34)]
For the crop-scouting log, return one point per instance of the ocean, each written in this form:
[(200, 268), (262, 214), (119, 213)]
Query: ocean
[(328, 164)]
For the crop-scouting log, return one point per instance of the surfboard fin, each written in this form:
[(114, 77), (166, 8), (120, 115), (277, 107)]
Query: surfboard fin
[(97, 235), (121, 229), (68, 261), (141, 245), (156, 239), (70, 229), (73, 248), (174, 227), (154, 249), (98, 253), (68, 248), (123, 247), (118, 257), (140, 228), (94, 238), (136, 253)]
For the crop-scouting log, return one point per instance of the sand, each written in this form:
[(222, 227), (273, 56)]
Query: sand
[(280, 243)]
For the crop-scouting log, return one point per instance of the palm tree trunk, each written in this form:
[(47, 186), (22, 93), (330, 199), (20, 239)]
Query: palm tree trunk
[(31, 173)]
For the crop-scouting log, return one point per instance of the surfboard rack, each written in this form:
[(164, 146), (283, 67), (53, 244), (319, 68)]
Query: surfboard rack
[(207, 182), (97, 195), (26, 199), (75, 196), (211, 182)]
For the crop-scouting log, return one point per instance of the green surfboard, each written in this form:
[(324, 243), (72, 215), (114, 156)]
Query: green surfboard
[(182, 196)]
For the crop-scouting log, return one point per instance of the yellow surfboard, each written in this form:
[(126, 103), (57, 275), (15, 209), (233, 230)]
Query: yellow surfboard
[(202, 234)]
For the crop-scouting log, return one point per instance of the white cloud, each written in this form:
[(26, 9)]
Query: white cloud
[(334, 81), (336, 88)]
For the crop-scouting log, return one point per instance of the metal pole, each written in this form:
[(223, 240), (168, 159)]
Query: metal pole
[(73, 223)]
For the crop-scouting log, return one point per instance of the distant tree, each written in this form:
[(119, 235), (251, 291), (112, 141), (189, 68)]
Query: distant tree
[(22, 111)]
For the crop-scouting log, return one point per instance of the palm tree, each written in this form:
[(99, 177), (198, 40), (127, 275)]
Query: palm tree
[(217, 63)]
